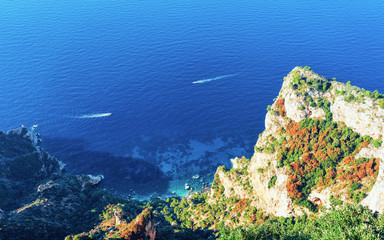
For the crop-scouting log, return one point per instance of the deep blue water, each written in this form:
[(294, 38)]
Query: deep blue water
[(137, 60)]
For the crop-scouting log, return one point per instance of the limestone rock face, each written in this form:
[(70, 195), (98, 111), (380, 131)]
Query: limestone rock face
[(365, 119), (231, 186), (274, 200), (235, 163), (375, 199), (46, 186), (118, 213)]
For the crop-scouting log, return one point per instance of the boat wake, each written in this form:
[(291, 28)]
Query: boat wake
[(213, 79), (97, 115)]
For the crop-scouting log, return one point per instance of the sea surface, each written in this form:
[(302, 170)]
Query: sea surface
[(151, 93)]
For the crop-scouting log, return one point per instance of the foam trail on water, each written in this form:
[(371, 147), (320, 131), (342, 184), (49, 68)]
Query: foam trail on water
[(213, 79), (97, 115)]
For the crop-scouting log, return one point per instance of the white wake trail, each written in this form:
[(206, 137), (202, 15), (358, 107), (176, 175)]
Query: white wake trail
[(213, 79), (97, 115)]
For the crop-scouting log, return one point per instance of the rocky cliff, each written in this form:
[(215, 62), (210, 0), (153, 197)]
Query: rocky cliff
[(23, 164), (310, 104)]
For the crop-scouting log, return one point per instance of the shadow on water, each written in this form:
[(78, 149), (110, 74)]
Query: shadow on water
[(125, 175)]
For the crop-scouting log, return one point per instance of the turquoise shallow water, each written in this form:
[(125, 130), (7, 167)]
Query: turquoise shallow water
[(62, 64)]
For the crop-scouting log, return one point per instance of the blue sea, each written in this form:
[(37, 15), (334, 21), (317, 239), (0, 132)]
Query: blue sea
[(151, 93)]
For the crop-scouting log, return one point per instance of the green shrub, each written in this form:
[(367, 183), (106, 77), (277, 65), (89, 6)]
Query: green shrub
[(376, 94), (357, 197), (355, 186), (381, 103), (296, 77), (197, 198), (326, 86), (377, 143), (307, 204), (350, 98), (335, 202), (272, 182)]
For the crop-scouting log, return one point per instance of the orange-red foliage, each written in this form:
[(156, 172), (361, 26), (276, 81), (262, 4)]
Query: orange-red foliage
[(292, 128), (321, 182), (316, 146), (241, 205), (341, 177), (347, 159), (293, 187), (364, 144), (281, 107)]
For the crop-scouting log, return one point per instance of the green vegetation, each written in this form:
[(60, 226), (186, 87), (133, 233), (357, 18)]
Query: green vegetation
[(355, 94), (326, 106), (381, 103), (272, 182), (301, 84), (348, 222), (377, 143)]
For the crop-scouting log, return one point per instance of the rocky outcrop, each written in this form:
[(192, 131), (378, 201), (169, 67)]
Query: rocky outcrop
[(145, 225), (293, 101), (89, 180), (23, 132), (321, 197), (116, 223), (41, 188), (118, 213)]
